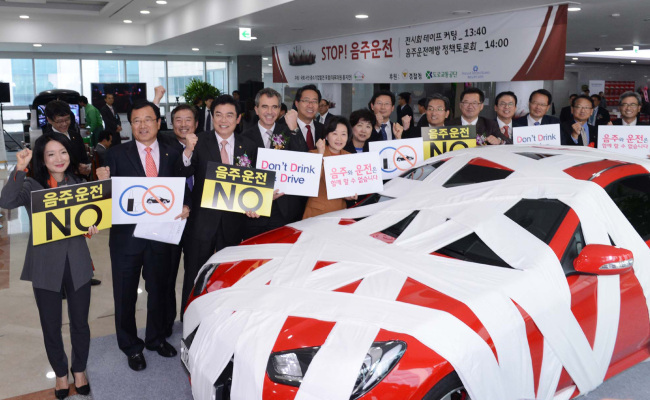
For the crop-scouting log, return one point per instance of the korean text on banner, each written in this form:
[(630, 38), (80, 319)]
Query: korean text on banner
[(352, 174), (629, 140), (398, 156), (447, 138), (237, 189), (68, 211), (548, 135), (295, 172), (140, 199), (463, 50)]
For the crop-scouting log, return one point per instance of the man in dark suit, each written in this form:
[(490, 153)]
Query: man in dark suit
[(111, 119), (630, 106), (471, 104), (306, 101), (210, 230), (382, 104), (538, 104), (505, 105), (578, 132), (324, 114), (59, 118), (102, 147), (204, 117), (565, 114), (271, 135), (599, 115), (130, 255)]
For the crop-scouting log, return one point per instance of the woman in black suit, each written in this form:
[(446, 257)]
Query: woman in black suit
[(58, 266)]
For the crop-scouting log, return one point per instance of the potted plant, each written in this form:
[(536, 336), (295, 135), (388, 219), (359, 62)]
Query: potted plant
[(198, 89)]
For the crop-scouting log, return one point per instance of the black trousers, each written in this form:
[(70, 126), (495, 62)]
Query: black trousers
[(49, 305), (126, 269)]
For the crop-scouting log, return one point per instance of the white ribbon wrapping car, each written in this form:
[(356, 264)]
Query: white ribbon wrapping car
[(245, 320)]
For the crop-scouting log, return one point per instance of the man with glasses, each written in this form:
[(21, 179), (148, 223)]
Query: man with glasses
[(579, 132), (437, 110), (306, 102), (630, 106), (60, 117), (505, 105), (145, 156), (538, 104), (382, 104), (471, 104)]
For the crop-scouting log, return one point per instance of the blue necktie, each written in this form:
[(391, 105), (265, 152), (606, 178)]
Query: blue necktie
[(383, 131), (536, 123)]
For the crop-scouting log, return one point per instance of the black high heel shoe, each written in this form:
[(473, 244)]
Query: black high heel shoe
[(82, 390), (62, 393)]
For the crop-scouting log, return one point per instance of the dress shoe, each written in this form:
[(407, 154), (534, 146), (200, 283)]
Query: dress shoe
[(61, 393), (137, 362), (95, 282), (82, 390), (164, 349)]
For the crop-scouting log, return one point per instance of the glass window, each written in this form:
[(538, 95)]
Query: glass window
[(631, 196), (101, 71), (419, 173), (472, 248), (20, 75), (536, 156), (57, 74), (150, 72), (541, 217), (216, 74), (395, 230), (572, 251), (180, 73), (477, 171)]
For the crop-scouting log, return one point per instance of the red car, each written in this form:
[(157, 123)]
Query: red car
[(502, 272)]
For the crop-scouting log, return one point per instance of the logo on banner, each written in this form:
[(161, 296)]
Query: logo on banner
[(359, 76), (138, 200), (429, 74), (405, 73), (475, 69)]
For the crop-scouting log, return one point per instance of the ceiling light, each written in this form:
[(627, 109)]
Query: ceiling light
[(253, 38), (109, 51), (616, 15), (574, 8), (195, 49), (575, 58), (219, 44), (145, 12), (618, 48), (633, 61), (128, 21), (161, 2), (37, 45), (461, 12), (24, 17), (361, 16), (265, 58)]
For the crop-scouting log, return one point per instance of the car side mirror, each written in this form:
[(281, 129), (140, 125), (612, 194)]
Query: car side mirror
[(600, 259)]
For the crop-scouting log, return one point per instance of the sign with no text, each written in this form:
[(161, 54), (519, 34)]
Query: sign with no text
[(398, 156), (140, 199), (447, 138), (68, 211), (238, 189)]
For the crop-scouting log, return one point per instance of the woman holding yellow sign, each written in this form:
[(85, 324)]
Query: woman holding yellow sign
[(58, 266)]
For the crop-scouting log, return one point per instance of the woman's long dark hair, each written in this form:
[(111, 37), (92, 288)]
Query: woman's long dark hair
[(41, 174)]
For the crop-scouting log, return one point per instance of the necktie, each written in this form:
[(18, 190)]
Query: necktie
[(269, 134), (310, 138), (150, 166), (224, 154), (583, 133), (505, 131), (536, 123), (383, 131), (208, 121)]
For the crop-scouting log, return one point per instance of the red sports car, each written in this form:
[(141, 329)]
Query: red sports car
[(502, 272)]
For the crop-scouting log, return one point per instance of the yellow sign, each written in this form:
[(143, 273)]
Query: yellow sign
[(236, 189), (447, 138), (69, 211)]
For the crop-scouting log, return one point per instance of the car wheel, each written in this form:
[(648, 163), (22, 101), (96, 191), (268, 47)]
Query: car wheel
[(449, 388)]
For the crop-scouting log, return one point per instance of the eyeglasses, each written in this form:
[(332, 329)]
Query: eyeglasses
[(64, 120), (312, 102), (630, 105), (583, 108), (147, 121), (468, 103), (440, 109), (229, 116), (506, 105), (534, 103)]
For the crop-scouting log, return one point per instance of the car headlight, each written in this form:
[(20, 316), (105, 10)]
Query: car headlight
[(289, 367)]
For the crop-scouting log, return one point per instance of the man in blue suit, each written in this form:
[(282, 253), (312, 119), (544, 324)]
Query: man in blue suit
[(538, 104)]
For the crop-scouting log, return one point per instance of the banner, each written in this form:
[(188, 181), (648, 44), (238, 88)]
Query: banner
[(447, 138), (68, 211), (537, 135), (398, 156), (514, 46), (629, 140), (139, 199), (296, 172), (237, 189), (352, 174)]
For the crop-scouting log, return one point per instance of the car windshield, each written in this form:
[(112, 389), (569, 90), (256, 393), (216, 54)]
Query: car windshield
[(632, 196)]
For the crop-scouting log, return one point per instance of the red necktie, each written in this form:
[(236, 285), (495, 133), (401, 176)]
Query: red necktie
[(505, 131), (224, 154), (310, 138), (151, 170)]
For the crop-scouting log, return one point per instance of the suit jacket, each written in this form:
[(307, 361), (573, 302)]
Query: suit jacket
[(328, 117), (45, 263), (619, 121), (205, 222), (101, 154), (485, 127), (200, 115), (602, 116), (288, 208), (320, 204), (376, 136), (77, 143), (566, 128), (407, 110), (124, 160), (112, 121), (523, 121), (566, 115), (319, 132)]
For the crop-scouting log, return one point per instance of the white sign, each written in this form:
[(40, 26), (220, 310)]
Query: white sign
[(398, 156), (352, 174), (245, 34), (541, 134), (596, 87), (137, 199), (532, 41), (295, 172), (629, 140)]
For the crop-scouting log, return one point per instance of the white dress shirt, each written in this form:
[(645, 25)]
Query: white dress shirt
[(531, 121), (464, 121)]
